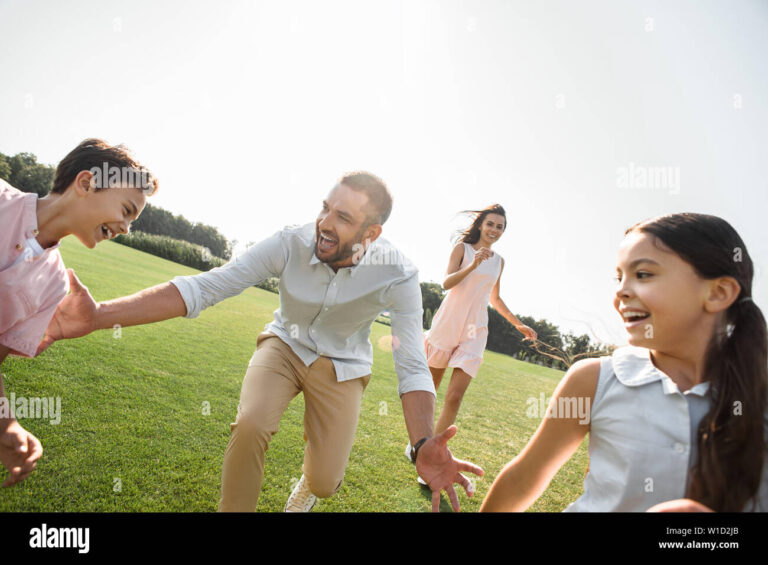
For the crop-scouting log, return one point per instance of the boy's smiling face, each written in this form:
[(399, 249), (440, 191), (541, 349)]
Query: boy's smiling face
[(105, 213)]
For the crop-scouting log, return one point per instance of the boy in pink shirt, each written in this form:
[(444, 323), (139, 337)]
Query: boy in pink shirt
[(98, 190)]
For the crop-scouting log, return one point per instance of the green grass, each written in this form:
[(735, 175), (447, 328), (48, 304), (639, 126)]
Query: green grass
[(132, 410)]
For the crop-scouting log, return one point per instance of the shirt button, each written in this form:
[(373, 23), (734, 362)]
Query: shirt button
[(680, 448), (326, 308), (19, 247), (35, 232), (334, 284)]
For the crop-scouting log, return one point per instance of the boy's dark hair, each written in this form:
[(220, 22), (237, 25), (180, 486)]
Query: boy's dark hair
[(99, 155)]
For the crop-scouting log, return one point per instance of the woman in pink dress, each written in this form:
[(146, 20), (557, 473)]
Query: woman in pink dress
[(460, 326)]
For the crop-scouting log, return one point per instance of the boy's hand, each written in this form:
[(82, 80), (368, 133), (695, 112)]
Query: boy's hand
[(75, 316), (19, 451)]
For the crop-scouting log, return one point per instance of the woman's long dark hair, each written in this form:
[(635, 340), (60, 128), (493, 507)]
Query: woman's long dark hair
[(471, 235), (731, 438)]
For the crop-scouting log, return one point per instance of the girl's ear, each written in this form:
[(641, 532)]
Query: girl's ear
[(83, 183), (723, 291)]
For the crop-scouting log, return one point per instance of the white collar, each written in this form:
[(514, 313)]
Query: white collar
[(633, 367)]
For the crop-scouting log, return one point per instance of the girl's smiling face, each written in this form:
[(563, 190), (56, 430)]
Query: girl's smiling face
[(660, 296)]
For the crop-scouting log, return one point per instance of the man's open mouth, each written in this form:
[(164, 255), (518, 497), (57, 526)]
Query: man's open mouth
[(325, 243)]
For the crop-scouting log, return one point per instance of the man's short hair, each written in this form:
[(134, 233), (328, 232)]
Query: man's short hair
[(379, 197), (98, 154)]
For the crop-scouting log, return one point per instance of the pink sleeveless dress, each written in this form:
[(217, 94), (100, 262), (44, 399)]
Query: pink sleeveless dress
[(460, 326)]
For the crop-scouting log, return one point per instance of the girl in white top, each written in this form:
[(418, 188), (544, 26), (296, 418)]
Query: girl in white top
[(678, 419)]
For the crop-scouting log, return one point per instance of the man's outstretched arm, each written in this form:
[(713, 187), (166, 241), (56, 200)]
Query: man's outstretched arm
[(79, 314)]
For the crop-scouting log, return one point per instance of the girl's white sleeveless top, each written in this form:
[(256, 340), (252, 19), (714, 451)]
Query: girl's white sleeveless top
[(642, 440)]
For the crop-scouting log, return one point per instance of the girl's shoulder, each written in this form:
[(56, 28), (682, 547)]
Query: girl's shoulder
[(460, 249), (581, 379)]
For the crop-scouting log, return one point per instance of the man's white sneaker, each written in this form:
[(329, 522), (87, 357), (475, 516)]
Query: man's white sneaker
[(301, 499)]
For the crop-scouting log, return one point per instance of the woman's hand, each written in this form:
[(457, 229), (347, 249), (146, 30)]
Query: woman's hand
[(481, 255), (528, 332)]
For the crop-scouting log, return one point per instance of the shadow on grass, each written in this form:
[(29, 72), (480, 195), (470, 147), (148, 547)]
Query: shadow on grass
[(445, 503)]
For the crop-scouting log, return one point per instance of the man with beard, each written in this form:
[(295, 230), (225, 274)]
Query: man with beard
[(317, 344)]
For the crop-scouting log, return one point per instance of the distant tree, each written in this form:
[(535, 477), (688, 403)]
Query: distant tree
[(158, 221), (574, 349), (576, 345), (25, 173), (5, 168), (431, 297)]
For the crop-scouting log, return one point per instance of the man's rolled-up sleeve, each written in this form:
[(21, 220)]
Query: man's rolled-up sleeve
[(405, 311), (261, 261)]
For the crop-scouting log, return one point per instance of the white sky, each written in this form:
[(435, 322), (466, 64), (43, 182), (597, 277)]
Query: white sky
[(249, 111)]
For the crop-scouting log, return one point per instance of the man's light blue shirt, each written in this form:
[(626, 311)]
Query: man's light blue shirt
[(323, 312)]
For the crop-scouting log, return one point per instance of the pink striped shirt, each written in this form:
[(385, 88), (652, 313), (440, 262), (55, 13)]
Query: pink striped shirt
[(30, 288)]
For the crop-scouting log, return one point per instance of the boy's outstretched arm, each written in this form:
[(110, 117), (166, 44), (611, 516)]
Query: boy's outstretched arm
[(79, 314), (19, 449), (527, 476)]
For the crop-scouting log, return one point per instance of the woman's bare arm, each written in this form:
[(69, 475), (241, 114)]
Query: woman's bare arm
[(453, 275), (499, 305)]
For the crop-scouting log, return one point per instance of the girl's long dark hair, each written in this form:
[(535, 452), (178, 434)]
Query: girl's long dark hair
[(731, 438), (472, 233)]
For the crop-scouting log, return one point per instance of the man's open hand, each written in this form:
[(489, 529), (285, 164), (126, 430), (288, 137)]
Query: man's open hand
[(74, 317), (437, 466)]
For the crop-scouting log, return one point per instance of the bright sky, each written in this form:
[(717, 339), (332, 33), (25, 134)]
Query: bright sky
[(248, 112)]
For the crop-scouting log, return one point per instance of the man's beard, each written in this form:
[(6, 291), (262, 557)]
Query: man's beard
[(343, 252)]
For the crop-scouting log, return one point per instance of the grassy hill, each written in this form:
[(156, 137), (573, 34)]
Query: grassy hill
[(135, 434)]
